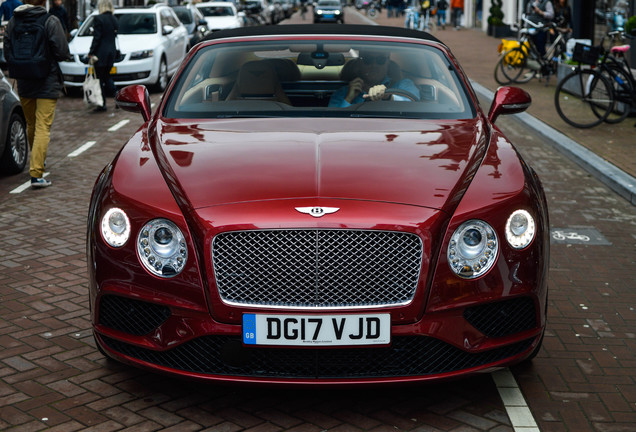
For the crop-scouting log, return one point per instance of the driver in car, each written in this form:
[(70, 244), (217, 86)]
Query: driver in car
[(372, 82)]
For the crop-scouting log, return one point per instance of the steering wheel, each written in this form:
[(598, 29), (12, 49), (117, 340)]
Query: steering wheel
[(397, 92)]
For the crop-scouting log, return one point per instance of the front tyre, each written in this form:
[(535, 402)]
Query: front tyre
[(584, 98)]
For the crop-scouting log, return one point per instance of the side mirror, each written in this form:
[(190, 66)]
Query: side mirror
[(508, 100), (167, 29), (134, 98)]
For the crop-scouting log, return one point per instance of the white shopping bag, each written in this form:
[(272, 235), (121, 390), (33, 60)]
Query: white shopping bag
[(92, 90)]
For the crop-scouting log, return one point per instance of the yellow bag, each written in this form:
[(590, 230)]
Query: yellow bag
[(512, 58)]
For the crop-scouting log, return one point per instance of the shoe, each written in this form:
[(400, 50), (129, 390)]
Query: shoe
[(99, 109), (40, 182)]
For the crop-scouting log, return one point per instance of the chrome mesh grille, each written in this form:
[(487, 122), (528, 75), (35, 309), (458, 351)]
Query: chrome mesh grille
[(316, 268)]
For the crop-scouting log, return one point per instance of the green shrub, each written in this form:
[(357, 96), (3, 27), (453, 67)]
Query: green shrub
[(630, 26), (496, 14)]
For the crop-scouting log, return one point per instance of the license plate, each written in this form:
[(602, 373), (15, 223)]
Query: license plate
[(328, 15), (89, 69), (317, 330)]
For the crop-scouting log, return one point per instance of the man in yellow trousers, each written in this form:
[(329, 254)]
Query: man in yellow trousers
[(34, 43)]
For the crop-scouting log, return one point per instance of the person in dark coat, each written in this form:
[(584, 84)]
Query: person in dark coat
[(7, 8), (39, 96), (104, 48), (58, 10)]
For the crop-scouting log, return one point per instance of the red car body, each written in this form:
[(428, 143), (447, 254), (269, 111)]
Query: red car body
[(409, 184)]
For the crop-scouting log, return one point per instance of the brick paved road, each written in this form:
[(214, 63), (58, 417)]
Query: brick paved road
[(51, 375)]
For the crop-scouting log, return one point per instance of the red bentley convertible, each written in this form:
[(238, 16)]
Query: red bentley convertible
[(280, 218)]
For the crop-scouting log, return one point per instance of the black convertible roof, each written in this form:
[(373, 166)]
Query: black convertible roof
[(321, 29)]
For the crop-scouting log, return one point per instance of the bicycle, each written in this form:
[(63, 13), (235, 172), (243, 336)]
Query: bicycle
[(411, 17), (417, 21), (600, 89), (520, 64), (373, 9)]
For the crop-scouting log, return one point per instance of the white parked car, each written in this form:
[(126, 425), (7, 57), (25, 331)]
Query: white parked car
[(152, 42), (220, 15)]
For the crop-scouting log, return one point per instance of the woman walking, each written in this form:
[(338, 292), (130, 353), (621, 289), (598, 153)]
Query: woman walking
[(104, 48)]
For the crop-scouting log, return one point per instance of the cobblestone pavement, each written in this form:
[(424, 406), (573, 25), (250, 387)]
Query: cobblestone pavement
[(52, 377)]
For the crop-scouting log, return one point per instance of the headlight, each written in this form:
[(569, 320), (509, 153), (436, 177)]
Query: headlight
[(337, 12), (161, 248), (520, 229), (473, 249), (139, 55), (319, 12), (115, 227)]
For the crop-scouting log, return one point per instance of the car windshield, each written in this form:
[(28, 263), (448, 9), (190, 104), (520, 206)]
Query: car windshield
[(310, 78), (137, 23), (216, 11), (129, 23), (329, 3), (184, 14)]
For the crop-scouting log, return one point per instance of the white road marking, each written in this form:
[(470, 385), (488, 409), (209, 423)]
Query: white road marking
[(516, 405), (82, 149), (25, 186), (118, 125)]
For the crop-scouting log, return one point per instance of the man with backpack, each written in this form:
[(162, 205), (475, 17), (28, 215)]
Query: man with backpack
[(34, 42)]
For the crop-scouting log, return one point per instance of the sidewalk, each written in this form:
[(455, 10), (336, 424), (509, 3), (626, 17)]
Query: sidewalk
[(616, 144)]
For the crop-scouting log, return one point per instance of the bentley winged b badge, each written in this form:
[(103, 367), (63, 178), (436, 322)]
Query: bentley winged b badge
[(317, 211)]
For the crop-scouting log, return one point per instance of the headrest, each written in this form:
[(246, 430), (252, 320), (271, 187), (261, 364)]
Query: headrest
[(286, 69), (256, 78)]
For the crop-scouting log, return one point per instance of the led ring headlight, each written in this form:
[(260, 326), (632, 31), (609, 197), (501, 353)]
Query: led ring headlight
[(115, 227), (520, 229), (161, 248), (473, 249)]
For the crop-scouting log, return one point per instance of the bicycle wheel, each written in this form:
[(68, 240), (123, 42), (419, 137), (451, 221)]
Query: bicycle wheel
[(499, 76), (513, 68), (623, 91), (584, 98)]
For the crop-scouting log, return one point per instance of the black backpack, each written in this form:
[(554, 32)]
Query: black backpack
[(28, 57)]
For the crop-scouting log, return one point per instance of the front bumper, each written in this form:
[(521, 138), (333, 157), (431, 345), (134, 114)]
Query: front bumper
[(128, 72), (143, 334)]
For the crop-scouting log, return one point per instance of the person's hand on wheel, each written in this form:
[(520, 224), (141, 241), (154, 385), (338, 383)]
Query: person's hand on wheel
[(376, 92)]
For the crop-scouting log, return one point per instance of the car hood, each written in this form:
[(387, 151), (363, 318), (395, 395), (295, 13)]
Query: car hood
[(125, 43), (221, 22), (245, 160)]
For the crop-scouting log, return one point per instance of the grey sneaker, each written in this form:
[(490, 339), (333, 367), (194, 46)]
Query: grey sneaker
[(39, 182)]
